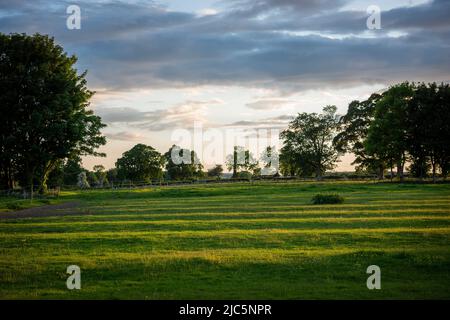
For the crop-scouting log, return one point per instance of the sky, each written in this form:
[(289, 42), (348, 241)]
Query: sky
[(164, 69)]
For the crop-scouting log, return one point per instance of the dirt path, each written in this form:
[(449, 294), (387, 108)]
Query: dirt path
[(63, 209)]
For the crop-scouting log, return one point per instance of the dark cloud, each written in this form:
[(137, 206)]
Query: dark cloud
[(289, 45)]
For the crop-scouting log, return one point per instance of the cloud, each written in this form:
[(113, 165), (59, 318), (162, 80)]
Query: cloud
[(266, 123), (287, 45), (207, 12), (269, 104), (124, 136), (183, 115)]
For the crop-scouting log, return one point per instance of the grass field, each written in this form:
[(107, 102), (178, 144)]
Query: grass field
[(235, 241)]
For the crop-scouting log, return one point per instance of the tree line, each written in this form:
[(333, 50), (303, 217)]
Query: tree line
[(143, 164), (47, 127), (408, 123)]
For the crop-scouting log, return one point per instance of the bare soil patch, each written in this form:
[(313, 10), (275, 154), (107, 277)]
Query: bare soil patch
[(63, 209)]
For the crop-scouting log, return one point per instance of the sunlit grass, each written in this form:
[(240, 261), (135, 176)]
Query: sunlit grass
[(262, 241)]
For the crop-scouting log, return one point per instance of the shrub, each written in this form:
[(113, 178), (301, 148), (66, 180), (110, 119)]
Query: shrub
[(327, 199)]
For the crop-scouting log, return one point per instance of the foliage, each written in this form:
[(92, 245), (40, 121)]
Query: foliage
[(387, 136), (182, 164), (140, 163), (44, 110), (353, 130), (241, 159), (82, 182), (101, 175), (428, 127), (216, 172), (270, 160), (327, 199), (307, 143)]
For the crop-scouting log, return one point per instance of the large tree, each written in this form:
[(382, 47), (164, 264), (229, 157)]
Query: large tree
[(387, 135), (428, 129), (43, 103), (182, 164), (141, 163), (353, 129), (308, 140)]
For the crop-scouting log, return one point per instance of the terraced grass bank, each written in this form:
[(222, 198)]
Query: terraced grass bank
[(235, 241)]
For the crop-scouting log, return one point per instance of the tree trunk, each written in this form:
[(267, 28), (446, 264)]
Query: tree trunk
[(434, 171), (235, 164), (381, 173), (42, 189), (318, 174), (400, 170)]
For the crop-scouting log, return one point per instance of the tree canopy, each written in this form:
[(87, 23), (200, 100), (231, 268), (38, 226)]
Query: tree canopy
[(44, 106), (141, 163), (307, 143), (182, 164)]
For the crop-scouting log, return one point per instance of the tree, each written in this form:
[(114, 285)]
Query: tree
[(270, 160), (140, 164), (82, 181), (308, 140), (44, 109), (353, 130), (72, 168), (56, 177), (216, 172), (111, 174), (182, 164), (241, 159), (292, 163), (92, 178), (102, 177), (428, 124), (387, 135)]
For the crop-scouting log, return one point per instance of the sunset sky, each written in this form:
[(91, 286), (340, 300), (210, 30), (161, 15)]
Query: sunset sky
[(158, 66)]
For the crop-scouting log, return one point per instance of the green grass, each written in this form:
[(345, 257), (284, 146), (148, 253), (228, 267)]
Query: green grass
[(235, 241)]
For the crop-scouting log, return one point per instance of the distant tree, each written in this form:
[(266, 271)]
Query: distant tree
[(43, 103), (102, 178), (182, 164), (141, 163), (257, 172), (216, 172), (308, 140), (82, 182), (241, 159), (271, 162), (111, 174), (92, 178)]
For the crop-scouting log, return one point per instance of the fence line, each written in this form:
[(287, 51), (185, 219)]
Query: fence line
[(165, 183)]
